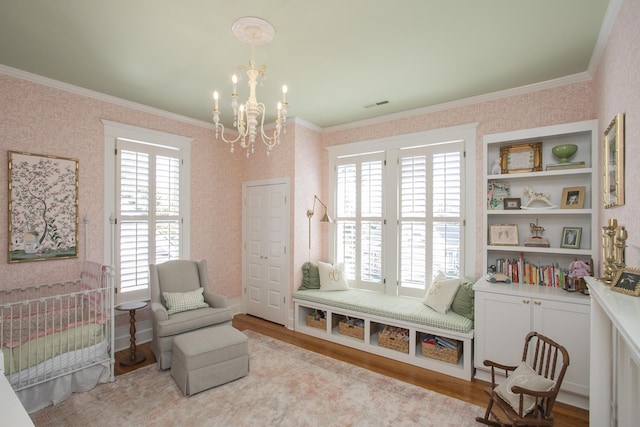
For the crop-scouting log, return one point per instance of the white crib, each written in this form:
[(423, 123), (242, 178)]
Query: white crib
[(58, 338)]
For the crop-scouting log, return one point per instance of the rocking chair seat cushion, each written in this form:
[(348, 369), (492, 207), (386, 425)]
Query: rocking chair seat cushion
[(525, 377)]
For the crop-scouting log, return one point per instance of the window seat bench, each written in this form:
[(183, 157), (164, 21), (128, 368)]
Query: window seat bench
[(333, 316)]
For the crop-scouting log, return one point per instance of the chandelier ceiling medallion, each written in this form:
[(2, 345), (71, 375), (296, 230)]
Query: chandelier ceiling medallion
[(246, 116)]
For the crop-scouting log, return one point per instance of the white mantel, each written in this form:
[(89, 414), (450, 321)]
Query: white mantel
[(615, 357)]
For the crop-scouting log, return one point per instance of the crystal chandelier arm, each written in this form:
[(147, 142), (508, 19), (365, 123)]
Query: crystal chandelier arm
[(269, 141)]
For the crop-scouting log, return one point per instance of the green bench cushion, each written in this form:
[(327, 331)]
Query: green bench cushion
[(392, 307)]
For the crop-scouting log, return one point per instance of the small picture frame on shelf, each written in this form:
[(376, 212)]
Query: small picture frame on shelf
[(573, 197), (503, 234), (571, 237), (627, 281), (512, 203), (521, 158)]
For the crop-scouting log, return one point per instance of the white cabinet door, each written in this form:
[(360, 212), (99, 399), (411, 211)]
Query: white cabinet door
[(568, 325), (501, 323)]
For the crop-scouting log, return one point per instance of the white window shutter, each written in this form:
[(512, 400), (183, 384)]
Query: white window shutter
[(148, 200)]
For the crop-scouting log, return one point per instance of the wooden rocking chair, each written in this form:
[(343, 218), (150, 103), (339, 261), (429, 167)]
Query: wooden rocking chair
[(528, 393)]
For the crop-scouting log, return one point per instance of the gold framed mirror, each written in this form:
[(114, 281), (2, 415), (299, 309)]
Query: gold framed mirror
[(613, 183)]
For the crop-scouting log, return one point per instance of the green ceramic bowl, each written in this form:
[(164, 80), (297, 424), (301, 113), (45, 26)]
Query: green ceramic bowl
[(564, 152)]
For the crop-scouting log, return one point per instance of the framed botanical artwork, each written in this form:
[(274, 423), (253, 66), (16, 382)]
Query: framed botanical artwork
[(521, 158), (627, 281), (512, 203), (573, 197), (496, 193), (43, 207), (503, 234), (571, 237), (613, 183)]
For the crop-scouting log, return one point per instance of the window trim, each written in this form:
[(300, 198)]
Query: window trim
[(464, 133), (114, 131), (358, 218)]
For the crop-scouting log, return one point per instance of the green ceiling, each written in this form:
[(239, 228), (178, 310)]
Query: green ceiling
[(336, 56)]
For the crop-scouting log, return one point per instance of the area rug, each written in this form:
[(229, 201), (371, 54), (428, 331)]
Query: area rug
[(286, 386)]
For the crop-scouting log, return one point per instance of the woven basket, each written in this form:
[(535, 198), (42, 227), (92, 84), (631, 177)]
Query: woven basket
[(450, 355), (351, 330), (394, 338), (317, 322)]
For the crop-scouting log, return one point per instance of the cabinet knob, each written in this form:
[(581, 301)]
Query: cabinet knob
[(525, 301), (537, 302)]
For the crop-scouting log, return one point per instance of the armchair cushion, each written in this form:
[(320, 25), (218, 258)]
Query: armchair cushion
[(177, 302), (525, 377)]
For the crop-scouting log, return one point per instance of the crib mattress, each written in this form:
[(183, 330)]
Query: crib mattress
[(36, 351)]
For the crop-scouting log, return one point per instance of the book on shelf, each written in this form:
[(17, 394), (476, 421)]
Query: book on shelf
[(537, 242), (519, 270), (568, 165)]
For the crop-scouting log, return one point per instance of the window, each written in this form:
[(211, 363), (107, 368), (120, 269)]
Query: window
[(149, 200), (359, 219), (430, 217), (399, 211)]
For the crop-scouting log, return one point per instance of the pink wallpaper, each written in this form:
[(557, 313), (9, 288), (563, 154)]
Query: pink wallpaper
[(564, 104), (310, 176), (617, 87), (44, 120)]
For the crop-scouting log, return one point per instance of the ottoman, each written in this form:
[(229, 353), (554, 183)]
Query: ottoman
[(209, 357)]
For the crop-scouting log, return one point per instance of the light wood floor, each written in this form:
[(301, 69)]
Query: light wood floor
[(469, 391)]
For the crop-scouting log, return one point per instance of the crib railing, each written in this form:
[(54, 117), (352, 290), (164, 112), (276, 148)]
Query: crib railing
[(48, 331)]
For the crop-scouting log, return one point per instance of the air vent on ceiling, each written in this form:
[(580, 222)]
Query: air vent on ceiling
[(377, 104)]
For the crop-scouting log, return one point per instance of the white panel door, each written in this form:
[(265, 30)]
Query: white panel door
[(266, 251)]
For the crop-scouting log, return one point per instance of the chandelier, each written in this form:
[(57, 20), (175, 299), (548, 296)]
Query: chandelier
[(247, 116)]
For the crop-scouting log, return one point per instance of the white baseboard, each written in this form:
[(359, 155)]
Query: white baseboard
[(144, 333)]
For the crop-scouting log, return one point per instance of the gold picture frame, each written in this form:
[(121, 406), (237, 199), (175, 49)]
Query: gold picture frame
[(573, 197), (503, 235), (627, 281), (613, 155), (521, 158), (43, 207)]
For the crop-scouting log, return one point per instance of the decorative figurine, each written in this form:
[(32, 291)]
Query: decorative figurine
[(496, 169), (533, 197), (536, 239)]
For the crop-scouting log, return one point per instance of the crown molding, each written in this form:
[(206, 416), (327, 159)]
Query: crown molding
[(536, 87), (603, 37), (45, 81), (575, 78)]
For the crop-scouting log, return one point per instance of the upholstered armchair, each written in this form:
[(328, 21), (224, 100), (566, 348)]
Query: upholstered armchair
[(181, 301)]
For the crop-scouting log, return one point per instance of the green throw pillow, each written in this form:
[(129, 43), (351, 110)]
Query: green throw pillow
[(184, 301), (463, 301), (310, 276)]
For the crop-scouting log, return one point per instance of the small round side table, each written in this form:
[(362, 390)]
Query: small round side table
[(133, 358)]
